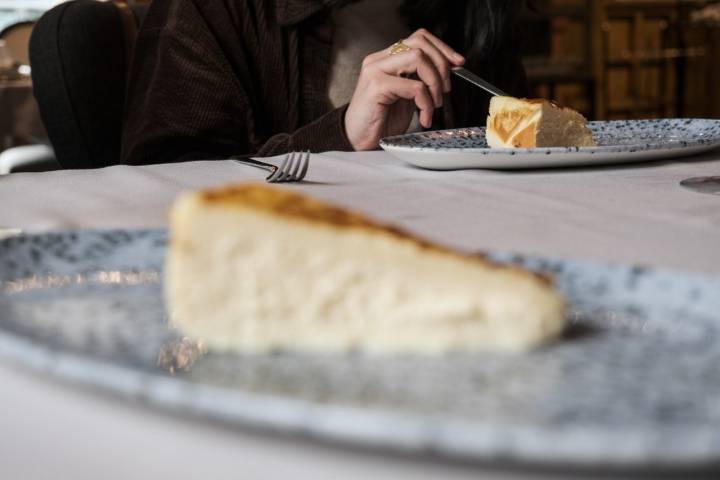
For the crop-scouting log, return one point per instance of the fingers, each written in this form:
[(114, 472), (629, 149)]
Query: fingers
[(415, 62), (394, 88), (438, 58), (438, 52), (381, 83), (454, 57)]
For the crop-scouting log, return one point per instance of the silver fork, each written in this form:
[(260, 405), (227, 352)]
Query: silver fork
[(293, 168)]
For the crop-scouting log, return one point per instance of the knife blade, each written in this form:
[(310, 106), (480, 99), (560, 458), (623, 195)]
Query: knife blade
[(477, 81)]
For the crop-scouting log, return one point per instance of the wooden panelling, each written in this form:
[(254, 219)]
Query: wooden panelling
[(646, 58)]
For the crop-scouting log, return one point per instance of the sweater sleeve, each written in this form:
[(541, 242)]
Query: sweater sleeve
[(188, 101), (325, 134)]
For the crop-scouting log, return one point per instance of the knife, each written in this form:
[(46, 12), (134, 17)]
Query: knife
[(477, 81)]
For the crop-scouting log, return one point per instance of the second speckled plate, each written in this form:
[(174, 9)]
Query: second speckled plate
[(634, 383), (620, 141)]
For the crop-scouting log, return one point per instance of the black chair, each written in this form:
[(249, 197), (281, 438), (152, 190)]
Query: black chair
[(80, 52)]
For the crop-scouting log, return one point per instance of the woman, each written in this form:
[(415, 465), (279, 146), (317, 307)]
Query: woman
[(217, 78)]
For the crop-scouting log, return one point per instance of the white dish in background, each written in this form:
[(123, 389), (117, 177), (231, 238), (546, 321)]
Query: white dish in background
[(619, 141)]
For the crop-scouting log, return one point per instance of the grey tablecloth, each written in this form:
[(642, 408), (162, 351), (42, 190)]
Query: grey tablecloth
[(635, 213)]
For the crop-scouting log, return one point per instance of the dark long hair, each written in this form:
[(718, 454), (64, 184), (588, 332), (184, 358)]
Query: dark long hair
[(484, 32), (481, 29)]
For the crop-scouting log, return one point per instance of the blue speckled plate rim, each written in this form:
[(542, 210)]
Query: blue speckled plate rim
[(367, 427), (704, 144)]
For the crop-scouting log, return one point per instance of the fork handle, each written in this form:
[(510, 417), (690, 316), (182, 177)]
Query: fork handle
[(255, 163)]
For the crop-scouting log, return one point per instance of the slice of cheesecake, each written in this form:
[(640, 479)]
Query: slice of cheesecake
[(257, 269), (520, 123)]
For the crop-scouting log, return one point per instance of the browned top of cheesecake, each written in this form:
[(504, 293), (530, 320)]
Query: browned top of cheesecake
[(537, 101), (286, 203), (540, 101), (302, 207)]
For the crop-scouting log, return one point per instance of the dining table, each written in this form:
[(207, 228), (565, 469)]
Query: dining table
[(632, 214)]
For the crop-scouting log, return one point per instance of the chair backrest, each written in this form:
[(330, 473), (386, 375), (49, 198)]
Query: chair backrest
[(17, 41), (80, 53)]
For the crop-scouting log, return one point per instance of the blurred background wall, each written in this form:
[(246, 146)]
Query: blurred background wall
[(615, 59)]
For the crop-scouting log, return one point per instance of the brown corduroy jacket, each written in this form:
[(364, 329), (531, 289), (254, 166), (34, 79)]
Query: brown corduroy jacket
[(216, 78)]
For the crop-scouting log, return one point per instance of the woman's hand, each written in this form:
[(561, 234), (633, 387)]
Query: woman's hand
[(385, 100)]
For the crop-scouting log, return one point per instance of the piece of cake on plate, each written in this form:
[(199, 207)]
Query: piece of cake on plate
[(256, 269), (521, 123)]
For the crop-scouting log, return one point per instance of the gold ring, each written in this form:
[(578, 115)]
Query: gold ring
[(399, 47)]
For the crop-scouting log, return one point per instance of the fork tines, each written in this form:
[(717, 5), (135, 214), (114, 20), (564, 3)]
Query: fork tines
[(293, 168)]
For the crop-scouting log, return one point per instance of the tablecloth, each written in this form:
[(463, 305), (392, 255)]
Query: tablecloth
[(631, 213)]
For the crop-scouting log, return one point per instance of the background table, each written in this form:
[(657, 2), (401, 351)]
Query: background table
[(635, 213)]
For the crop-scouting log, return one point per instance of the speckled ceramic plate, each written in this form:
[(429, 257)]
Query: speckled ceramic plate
[(618, 142), (634, 382)]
